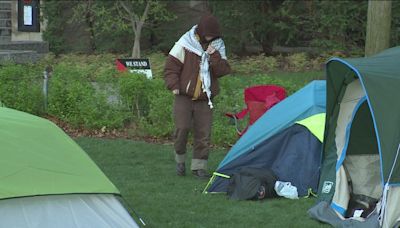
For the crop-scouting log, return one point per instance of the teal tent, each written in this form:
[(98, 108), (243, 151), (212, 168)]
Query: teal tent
[(362, 139), (47, 177), (277, 140)]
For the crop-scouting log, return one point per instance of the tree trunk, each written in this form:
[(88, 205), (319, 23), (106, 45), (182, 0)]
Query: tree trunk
[(92, 35), (267, 47), (136, 43), (267, 42), (137, 25), (137, 108), (378, 26), (137, 29), (136, 47), (90, 22)]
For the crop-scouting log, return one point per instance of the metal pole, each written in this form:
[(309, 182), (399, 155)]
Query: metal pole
[(48, 71), (45, 89)]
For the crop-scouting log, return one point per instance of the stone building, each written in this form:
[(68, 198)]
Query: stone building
[(21, 31)]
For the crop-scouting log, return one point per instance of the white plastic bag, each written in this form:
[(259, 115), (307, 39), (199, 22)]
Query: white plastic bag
[(286, 189)]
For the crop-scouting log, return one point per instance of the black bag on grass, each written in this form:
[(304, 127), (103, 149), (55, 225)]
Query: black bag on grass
[(252, 184)]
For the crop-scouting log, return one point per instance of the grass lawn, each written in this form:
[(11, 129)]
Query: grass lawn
[(145, 175)]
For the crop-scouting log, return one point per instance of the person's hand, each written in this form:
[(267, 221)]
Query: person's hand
[(210, 50), (175, 91)]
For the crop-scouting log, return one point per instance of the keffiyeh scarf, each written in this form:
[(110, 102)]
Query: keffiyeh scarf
[(191, 43)]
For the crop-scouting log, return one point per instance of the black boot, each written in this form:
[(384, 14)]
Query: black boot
[(180, 169), (201, 173)]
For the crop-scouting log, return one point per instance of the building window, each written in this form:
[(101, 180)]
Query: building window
[(28, 16)]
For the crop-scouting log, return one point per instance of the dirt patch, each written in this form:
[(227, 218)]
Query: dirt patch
[(105, 133)]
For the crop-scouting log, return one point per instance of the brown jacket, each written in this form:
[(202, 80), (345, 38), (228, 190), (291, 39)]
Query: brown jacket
[(182, 71)]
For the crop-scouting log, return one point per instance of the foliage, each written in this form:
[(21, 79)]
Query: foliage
[(121, 18), (133, 89), (157, 63), (76, 100), (86, 91), (21, 88), (339, 25), (323, 24), (52, 9), (395, 37), (247, 25), (297, 62), (254, 64), (269, 23), (159, 122)]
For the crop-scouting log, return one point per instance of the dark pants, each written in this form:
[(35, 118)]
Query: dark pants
[(196, 115)]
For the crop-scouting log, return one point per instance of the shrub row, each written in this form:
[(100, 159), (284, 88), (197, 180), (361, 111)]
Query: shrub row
[(87, 92)]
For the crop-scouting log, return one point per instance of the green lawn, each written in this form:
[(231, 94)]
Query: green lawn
[(145, 175)]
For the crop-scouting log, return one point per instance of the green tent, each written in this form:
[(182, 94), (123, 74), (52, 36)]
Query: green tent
[(46, 175), (362, 138)]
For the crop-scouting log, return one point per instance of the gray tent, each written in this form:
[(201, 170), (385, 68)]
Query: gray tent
[(48, 181)]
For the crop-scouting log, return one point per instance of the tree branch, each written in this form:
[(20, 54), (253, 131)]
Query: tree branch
[(146, 11), (132, 14), (121, 14), (125, 7)]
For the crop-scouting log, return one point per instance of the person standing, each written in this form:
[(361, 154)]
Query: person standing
[(192, 69)]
